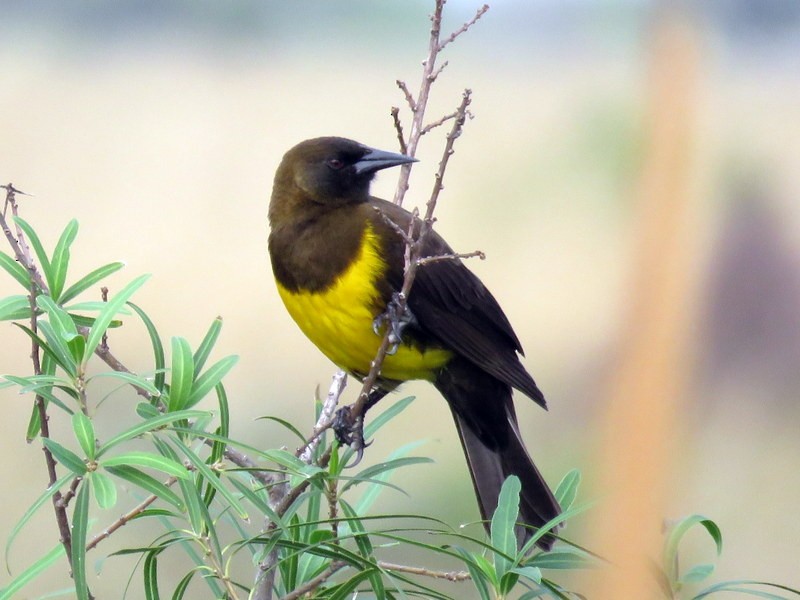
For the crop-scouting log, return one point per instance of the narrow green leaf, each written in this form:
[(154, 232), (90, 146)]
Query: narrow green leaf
[(152, 461), (697, 573), (37, 504), (58, 347), (209, 380), (84, 433), (132, 379), (180, 382), (87, 281), (149, 425), (567, 489), (42, 343), (146, 482), (504, 539), (224, 412), (183, 585), (213, 480), (80, 527), (150, 573), (480, 579), (59, 319), (158, 347), (531, 573), (15, 307), (675, 536), (16, 270), (66, 457), (734, 586), (36, 244), (204, 350), (105, 317), (105, 492), (9, 592), (561, 559), (60, 262)]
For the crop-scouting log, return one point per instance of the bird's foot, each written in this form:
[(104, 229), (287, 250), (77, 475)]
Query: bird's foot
[(396, 319), (349, 431)]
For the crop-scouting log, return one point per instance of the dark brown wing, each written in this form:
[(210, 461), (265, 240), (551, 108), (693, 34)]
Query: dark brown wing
[(452, 304)]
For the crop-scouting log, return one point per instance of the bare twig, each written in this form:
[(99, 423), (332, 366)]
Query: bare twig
[(338, 383), (481, 11), (127, 517), (449, 575), (409, 97), (418, 231), (398, 127), (426, 260), (314, 583)]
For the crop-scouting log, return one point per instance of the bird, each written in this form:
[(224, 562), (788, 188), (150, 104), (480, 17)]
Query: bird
[(338, 258)]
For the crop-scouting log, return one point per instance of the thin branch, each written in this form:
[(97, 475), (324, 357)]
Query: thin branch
[(481, 11), (413, 254), (338, 383), (317, 581), (398, 127), (426, 260), (449, 575), (407, 93), (127, 517)]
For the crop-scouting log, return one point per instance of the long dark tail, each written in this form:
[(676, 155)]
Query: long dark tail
[(487, 426)]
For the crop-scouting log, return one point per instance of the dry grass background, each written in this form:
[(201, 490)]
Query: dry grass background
[(164, 148)]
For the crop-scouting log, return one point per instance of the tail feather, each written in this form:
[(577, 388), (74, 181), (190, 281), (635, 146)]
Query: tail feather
[(487, 426), (490, 468)]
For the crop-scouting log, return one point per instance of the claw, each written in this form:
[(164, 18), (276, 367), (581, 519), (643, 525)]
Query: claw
[(349, 431), (397, 322)]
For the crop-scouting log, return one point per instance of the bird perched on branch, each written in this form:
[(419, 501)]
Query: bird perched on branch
[(338, 258)]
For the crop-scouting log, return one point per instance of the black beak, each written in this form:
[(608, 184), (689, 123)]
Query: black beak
[(375, 160)]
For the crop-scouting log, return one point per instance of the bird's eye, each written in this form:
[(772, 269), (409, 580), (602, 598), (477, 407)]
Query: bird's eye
[(335, 163)]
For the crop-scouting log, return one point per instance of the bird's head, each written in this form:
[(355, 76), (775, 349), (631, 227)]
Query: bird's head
[(333, 170)]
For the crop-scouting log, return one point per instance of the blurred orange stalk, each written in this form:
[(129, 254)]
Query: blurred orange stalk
[(641, 414)]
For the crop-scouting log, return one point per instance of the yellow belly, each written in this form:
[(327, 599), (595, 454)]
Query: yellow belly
[(339, 321)]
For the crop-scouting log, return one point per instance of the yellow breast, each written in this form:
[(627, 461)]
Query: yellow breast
[(339, 320)]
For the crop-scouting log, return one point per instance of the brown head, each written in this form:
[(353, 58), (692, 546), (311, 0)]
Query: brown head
[(330, 171)]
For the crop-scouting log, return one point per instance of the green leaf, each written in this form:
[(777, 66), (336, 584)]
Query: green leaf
[(180, 382), (567, 489), (49, 352), (204, 350), (146, 459), (9, 592), (105, 492), (68, 458), (182, 586), (213, 480), (146, 482), (158, 347), (87, 281), (504, 539), (697, 573), (735, 586), (60, 263), (209, 380), (80, 527), (132, 379), (150, 573), (149, 425), (113, 307), (480, 578), (528, 572), (32, 510), (561, 559), (84, 433), (15, 307), (675, 535), (36, 244), (16, 270), (57, 346)]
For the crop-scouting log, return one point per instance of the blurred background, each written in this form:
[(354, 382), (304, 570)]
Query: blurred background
[(625, 155)]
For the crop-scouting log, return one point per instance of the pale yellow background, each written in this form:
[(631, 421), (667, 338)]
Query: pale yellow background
[(161, 133)]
